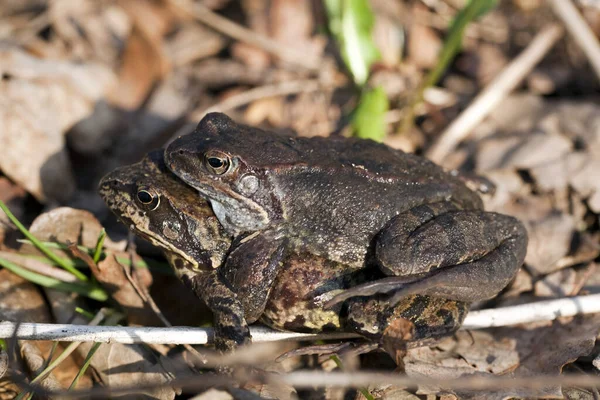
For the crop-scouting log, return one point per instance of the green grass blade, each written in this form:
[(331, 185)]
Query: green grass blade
[(452, 45), (99, 245), (369, 118), (87, 290), (86, 364), (40, 246), (152, 265)]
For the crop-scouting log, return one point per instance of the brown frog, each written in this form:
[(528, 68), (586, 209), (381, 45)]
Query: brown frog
[(158, 206), (352, 201), (171, 217)]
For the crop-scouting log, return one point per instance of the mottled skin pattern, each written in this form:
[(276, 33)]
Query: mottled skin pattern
[(294, 300), (352, 201)]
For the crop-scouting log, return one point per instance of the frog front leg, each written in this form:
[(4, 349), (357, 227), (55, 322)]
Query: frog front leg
[(465, 255), (251, 269), (231, 328)]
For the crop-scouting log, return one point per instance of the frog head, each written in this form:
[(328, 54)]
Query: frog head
[(157, 206), (235, 166)]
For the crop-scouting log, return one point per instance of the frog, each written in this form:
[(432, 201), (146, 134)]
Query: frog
[(195, 244), (293, 302), (353, 201)]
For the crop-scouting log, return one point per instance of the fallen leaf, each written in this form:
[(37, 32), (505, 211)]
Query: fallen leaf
[(465, 354), (558, 284), (113, 276), (549, 241), (546, 350), (40, 100), (22, 301)]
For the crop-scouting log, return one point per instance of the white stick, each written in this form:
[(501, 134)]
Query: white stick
[(579, 30), (495, 92), (531, 312)]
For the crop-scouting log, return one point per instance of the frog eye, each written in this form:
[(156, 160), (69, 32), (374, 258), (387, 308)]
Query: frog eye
[(148, 198), (216, 162)]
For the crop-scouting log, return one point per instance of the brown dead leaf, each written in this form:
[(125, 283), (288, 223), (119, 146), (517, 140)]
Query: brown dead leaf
[(21, 300), (546, 350), (191, 43), (114, 278), (143, 65), (36, 363), (466, 354), (423, 46), (558, 284), (256, 13), (68, 225), (549, 241), (40, 100), (525, 152), (291, 23), (90, 30), (522, 283), (115, 364)]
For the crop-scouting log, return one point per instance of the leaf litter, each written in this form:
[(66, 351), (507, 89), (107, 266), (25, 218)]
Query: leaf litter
[(88, 86)]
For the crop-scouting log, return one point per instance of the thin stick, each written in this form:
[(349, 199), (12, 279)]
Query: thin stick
[(278, 89), (238, 32), (495, 92), (524, 313), (313, 379), (579, 29)]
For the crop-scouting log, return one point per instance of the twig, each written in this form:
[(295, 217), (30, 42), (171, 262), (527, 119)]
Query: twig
[(128, 334), (579, 29), (495, 92), (278, 89), (314, 379), (524, 313), (235, 31)]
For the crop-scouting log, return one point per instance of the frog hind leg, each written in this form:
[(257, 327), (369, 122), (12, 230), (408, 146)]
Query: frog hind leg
[(414, 321), (457, 254), (231, 328)]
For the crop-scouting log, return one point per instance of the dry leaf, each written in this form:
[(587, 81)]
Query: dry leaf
[(549, 241), (116, 364), (40, 100), (113, 277), (466, 354), (546, 350), (21, 300), (558, 284)]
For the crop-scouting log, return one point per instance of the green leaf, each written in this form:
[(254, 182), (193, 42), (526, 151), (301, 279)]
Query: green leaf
[(369, 118), (351, 22)]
